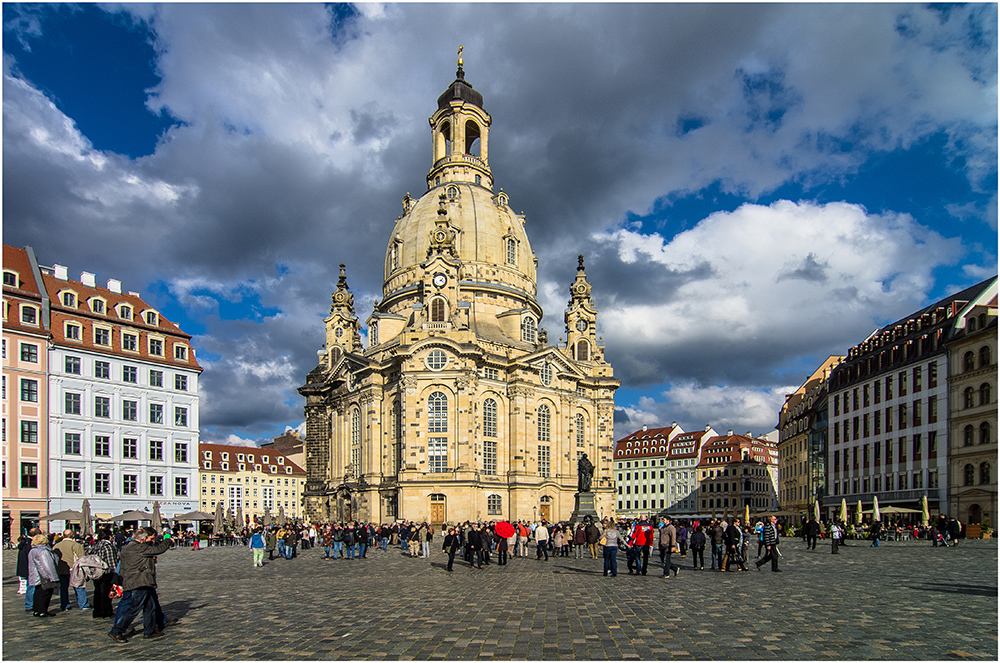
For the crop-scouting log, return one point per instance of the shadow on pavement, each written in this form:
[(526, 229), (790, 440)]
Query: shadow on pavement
[(955, 588)]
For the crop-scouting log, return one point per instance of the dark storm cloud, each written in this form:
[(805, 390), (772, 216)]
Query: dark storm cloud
[(303, 127)]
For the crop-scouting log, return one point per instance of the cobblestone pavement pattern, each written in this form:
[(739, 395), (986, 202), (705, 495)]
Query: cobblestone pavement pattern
[(905, 601)]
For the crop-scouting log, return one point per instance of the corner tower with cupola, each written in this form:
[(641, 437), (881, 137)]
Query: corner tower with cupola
[(457, 408)]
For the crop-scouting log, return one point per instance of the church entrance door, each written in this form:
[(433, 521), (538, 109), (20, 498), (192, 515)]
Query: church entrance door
[(544, 511)]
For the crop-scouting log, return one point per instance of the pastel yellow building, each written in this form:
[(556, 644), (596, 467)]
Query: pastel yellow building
[(458, 408), (250, 479)]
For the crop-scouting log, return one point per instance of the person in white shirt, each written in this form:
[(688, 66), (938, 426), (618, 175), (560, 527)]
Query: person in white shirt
[(542, 540)]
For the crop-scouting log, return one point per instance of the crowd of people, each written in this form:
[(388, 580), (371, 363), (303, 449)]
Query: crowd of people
[(121, 563)]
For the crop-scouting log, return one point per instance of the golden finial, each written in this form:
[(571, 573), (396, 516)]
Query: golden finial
[(460, 47)]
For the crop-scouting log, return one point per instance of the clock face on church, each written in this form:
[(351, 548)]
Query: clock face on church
[(581, 325), (440, 280)]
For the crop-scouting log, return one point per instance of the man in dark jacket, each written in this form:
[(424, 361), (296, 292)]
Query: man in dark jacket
[(138, 571), (770, 533), (593, 536)]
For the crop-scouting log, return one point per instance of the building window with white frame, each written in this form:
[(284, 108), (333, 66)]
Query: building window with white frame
[(130, 410), (72, 481), (102, 446), (356, 442), (130, 484), (155, 413), (102, 407), (73, 332), (130, 342), (102, 483), (581, 429), (180, 352), (437, 455), (29, 432), (29, 353), (180, 486), (72, 365), (180, 382), (102, 336), (180, 452), (29, 390), (528, 329), (156, 347), (155, 378), (544, 460), (102, 369), (130, 447), (156, 449), (544, 423), (130, 374), (180, 416), (437, 413), (156, 485), (72, 444)]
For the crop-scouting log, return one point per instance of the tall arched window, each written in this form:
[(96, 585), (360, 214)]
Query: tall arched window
[(984, 473), (970, 475), (489, 418), (582, 350), (581, 430), (969, 436), (437, 413), (437, 310), (511, 251), (397, 436), (472, 141), (969, 361), (373, 334), (356, 442), (494, 505), (528, 329), (984, 433), (984, 356), (985, 394), (969, 397), (544, 423), (446, 133)]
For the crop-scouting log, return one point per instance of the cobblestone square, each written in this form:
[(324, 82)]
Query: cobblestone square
[(904, 601)]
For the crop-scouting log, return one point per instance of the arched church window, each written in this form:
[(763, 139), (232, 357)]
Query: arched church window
[(356, 442), (985, 394), (546, 374), (969, 397), (970, 475), (373, 334), (582, 350), (452, 192), (437, 413), (489, 418), (494, 505), (544, 423), (581, 429), (984, 356), (528, 329), (984, 473), (984, 433), (437, 309), (511, 251)]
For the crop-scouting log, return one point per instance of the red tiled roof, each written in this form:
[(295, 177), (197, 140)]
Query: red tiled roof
[(251, 456)]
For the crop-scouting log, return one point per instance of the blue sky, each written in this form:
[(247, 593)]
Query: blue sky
[(755, 187)]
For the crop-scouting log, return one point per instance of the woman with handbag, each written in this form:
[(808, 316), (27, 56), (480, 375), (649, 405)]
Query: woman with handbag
[(107, 551), (42, 574)]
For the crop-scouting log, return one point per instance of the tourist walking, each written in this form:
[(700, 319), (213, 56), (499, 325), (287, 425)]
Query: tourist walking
[(138, 571), (668, 545), (612, 541), (256, 545), (769, 536), (735, 546), (106, 550), (698, 541), (42, 574)]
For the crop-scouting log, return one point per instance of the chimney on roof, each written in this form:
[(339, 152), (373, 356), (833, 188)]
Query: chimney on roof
[(133, 293), (645, 427), (673, 425), (115, 286), (708, 427), (61, 272), (729, 432), (88, 279), (749, 434)]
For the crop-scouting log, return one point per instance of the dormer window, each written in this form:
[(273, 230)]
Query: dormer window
[(288, 470), (265, 459), (207, 454), (224, 466), (10, 278), (29, 314), (239, 457), (180, 352), (98, 306), (207, 464), (152, 318), (281, 461), (225, 455), (528, 329), (68, 299), (242, 467), (74, 332)]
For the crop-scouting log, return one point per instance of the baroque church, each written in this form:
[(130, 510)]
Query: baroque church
[(458, 408)]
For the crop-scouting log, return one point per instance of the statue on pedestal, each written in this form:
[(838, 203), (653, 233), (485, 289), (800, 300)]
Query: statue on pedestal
[(585, 471)]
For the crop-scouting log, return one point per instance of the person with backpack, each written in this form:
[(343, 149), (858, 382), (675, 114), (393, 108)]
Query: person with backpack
[(256, 545)]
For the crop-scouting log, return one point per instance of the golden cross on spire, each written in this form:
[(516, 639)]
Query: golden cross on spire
[(460, 48)]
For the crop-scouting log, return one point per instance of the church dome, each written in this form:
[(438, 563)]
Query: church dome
[(487, 239)]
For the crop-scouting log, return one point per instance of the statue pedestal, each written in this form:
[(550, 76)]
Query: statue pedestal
[(584, 508)]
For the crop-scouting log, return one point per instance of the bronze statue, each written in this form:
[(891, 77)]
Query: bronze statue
[(585, 470)]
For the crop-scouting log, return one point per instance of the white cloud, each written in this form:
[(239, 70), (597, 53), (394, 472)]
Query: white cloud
[(762, 283), (233, 440)]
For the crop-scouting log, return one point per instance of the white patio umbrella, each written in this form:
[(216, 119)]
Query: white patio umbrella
[(876, 515)]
